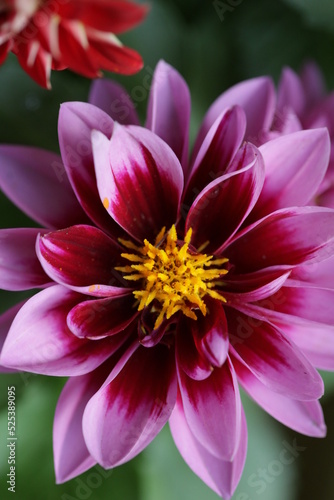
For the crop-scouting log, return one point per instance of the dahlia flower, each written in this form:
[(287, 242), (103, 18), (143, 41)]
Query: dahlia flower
[(165, 283), (58, 34)]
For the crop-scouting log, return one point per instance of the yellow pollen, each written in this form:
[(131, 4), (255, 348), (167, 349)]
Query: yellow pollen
[(172, 275), (106, 203)]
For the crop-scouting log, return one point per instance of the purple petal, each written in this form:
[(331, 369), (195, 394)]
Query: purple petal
[(217, 151), (272, 358), (287, 237), (230, 198), (290, 92), (35, 180), (302, 416), (139, 179), (168, 113), (76, 122), (123, 417), (295, 167), (39, 340), (220, 475), (81, 256), (313, 83), (255, 96), (113, 99), (20, 268), (212, 409), (95, 319)]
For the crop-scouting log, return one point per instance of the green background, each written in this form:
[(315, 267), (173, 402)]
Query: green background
[(212, 50)]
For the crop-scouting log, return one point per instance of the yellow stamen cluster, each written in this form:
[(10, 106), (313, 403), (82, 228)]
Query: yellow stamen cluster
[(170, 274)]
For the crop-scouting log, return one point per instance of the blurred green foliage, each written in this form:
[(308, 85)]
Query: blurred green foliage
[(214, 45)]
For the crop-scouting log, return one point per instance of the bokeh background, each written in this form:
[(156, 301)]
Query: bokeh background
[(214, 44)]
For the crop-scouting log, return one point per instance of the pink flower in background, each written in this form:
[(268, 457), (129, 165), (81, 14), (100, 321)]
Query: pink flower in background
[(74, 34), (165, 282)]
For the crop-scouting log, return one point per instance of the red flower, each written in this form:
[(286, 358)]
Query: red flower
[(74, 34)]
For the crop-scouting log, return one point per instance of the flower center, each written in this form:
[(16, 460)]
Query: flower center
[(172, 275)]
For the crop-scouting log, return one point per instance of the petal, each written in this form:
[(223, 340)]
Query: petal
[(76, 122), (302, 416), (211, 334), (305, 314), (313, 83), (35, 61), (39, 340), (255, 96), (71, 456), (20, 268), (6, 319), (212, 409), (220, 475), (139, 179), (95, 319), (295, 167), (272, 358), (81, 256), (188, 357), (217, 151), (116, 16), (34, 180), (230, 198), (290, 93), (108, 53), (258, 293), (131, 408), (286, 237), (168, 113), (113, 99)]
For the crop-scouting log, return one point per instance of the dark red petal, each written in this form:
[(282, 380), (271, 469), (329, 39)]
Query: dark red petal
[(80, 256), (100, 318)]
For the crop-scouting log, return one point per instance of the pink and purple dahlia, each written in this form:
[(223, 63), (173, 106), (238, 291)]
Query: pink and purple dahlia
[(165, 283)]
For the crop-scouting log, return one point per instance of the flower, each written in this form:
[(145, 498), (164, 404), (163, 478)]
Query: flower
[(58, 34), (168, 283)]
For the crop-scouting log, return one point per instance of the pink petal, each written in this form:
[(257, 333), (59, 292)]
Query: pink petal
[(231, 197), (75, 125), (217, 151), (139, 179), (80, 256), (113, 99), (71, 456), (131, 408), (220, 475), (255, 96), (212, 409), (6, 319), (35, 180), (286, 237), (302, 416), (20, 268), (295, 167), (95, 319), (168, 113), (272, 358), (39, 340)]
